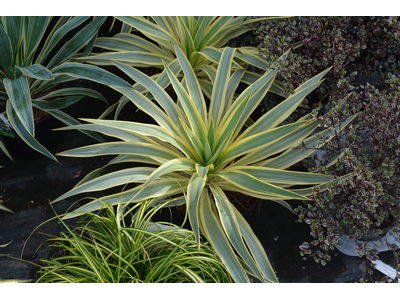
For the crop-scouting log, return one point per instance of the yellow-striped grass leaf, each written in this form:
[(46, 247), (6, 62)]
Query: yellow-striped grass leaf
[(89, 72), (289, 140), (278, 114), (148, 130), (316, 78), (193, 115), (321, 187), (163, 188), (202, 23), (255, 92), (283, 176), (227, 186), (230, 123), (168, 24), (179, 164), (130, 42), (185, 36), (92, 175), (206, 87), (252, 58), (295, 154), (210, 71), (123, 158), (216, 151), (256, 249), (2, 207), (213, 30), (115, 148), (128, 57), (214, 55), (150, 30), (250, 183), (194, 191), (110, 131), (231, 227), (196, 144), (144, 104), (250, 77), (74, 91), (113, 179), (230, 32), (193, 86), (233, 84), (165, 101), (251, 144), (219, 101), (211, 226)]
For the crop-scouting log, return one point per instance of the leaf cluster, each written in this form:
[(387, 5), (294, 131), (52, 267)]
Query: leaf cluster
[(32, 48), (103, 248)]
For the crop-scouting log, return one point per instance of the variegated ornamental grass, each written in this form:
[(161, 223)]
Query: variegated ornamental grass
[(202, 40), (197, 152), (105, 248)]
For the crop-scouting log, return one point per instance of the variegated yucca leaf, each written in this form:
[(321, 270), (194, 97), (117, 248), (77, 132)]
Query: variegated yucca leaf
[(29, 78), (202, 40), (200, 151)]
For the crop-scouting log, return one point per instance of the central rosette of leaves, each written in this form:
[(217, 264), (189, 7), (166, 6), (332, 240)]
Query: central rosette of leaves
[(196, 152)]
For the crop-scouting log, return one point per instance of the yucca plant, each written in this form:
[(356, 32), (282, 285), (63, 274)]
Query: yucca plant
[(201, 152), (104, 249), (28, 58), (202, 40)]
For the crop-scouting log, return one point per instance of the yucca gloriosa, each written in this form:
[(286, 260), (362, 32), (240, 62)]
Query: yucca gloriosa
[(202, 40), (28, 76), (200, 152)]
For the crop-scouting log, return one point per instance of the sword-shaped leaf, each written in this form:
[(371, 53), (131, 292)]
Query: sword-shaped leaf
[(250, 183), (37, 71), (113, 179), (68, 120), (211, 227), (283, 176), (195, 189), (219, 100), (77, 42), (19, 97), (231, 227), (35, 29), (295, 154), (24, 134), (115, 148), (161, 188), (6, 54)]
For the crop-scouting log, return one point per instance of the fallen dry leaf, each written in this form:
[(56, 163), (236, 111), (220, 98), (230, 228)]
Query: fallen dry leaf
[(77, 173)]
